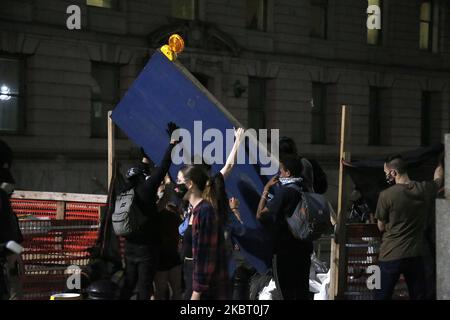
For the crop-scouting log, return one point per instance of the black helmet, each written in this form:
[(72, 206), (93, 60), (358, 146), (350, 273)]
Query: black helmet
[(103, 290)]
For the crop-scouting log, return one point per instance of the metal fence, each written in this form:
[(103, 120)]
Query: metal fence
[(362, 247), (57, 234)]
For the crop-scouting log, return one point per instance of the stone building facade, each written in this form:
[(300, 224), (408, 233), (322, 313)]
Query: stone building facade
[(287, 64)]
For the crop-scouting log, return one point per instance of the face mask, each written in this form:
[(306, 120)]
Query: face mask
[(160, 194), (389, 179), (289, 180), (181, 190), (7, 187)]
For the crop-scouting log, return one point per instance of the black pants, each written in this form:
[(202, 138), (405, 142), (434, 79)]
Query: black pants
[(241, 279), (413, 271), (141, 265), (429, 259), (291, 272), (3, 285), (188, 269)]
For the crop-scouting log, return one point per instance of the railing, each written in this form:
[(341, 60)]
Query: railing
[(362, 247), (58, 230)]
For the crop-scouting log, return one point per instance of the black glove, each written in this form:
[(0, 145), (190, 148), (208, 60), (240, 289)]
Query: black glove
[(171, 127)]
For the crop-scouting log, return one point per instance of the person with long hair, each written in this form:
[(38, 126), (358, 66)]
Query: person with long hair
[(215, 194), (205, 265)]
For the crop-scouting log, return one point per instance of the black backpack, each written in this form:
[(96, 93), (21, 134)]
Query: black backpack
[(127, 217), (311, 217)]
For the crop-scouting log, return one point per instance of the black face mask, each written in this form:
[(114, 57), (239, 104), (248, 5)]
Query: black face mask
[(181, 190)]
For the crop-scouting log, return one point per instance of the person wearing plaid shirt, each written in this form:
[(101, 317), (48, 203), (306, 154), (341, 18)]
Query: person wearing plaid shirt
[(210, 277)]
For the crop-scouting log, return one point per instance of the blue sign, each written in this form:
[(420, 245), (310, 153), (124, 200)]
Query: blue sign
[(165, 91)]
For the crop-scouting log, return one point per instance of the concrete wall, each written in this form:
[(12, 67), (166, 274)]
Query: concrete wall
[(442, 231)]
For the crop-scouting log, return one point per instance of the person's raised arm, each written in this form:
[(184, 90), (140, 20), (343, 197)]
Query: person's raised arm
[(231, 159), (262, 208), (152, 184)]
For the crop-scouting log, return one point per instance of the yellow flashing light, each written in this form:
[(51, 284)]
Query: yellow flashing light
[(175, 46)]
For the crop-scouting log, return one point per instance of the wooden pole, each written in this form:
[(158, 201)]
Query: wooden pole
[(111, 148), (338, 259), (60, 215), (60, 210)]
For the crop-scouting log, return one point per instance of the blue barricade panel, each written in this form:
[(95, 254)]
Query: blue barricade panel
[(165, 91)]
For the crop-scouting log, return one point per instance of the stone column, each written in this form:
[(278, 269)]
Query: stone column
[(443, 233)]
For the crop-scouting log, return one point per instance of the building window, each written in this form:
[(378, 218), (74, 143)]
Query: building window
[(429, 26), (319, 113), (431, 118), (257, 15), (110, 4), (374, 36), (11, 94), (256, 103), (105, 96), (185, 9), (319, 16)]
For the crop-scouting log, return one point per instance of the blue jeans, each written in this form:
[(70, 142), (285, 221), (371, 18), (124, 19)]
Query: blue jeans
[(412, 269)]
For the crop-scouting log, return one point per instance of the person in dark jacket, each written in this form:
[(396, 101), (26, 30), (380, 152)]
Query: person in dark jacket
[(291, 257), (142, 246), (169, 269), (9, 228)]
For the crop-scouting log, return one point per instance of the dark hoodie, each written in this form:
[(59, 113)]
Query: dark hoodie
[(404, 208), (146, 188)]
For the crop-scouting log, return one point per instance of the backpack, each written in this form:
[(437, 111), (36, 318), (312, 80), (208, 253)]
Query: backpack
[(127, 217), (311, 217)]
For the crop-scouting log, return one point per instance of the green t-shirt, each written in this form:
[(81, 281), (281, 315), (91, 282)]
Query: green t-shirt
[(403, 208)]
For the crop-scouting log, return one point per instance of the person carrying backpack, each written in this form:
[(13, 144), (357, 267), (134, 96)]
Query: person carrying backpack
[(142, 244), (293, 244)]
